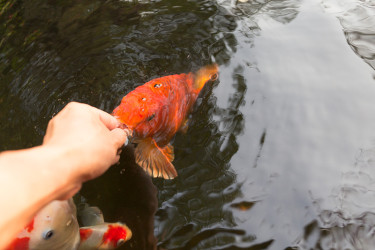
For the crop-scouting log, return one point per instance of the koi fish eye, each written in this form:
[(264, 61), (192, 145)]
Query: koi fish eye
[(151, 117), (120, 242), (214, 77), (47, 234), (158, 85)]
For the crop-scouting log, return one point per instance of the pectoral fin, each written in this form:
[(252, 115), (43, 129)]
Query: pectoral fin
[(89, 216), (154, 160)]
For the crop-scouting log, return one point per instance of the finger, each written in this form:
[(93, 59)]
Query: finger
[(116, 160), (49, 131), (118, 136), (108, 120)]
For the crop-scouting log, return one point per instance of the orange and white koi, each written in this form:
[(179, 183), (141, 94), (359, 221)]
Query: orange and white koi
[(56, 227)]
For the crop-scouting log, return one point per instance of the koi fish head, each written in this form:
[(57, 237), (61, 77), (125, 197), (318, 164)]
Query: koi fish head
[(54, 227), (204, 75), (137, 107)]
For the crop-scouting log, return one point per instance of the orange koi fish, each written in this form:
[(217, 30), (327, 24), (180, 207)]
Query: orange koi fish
[(56, 227), (155, 111)]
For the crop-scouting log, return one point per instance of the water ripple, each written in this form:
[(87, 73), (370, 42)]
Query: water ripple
[(357, 19), (346, 220)]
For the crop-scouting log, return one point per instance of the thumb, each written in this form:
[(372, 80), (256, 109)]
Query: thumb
[(118, 137)]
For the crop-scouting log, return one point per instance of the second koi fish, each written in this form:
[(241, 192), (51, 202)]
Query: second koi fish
[(155, 111)]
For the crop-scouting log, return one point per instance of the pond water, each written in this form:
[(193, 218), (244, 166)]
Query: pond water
[(280, 150)]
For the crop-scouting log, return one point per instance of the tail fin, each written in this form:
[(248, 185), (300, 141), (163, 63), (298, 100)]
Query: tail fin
[(205, 74), (154, 160)]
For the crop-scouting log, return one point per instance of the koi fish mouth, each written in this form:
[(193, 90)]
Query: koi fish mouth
[(128, 131), (123, 126)]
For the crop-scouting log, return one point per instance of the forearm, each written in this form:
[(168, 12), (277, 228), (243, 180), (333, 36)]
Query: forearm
[(30, 183), (81, 143)]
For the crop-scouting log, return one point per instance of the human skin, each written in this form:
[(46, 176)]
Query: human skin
[(81, 143)]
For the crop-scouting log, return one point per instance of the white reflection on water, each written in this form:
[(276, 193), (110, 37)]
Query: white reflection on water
[(358, 21), (314, 99)]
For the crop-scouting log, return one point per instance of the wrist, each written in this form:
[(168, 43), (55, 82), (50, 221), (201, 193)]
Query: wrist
[(32, 178), (62, 164), (45, 172)]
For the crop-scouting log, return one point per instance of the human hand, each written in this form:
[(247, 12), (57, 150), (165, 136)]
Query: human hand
[(89, 139)]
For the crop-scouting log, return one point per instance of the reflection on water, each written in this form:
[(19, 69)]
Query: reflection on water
[(265, 145), (346, 220), (357, 19), (283, 11)]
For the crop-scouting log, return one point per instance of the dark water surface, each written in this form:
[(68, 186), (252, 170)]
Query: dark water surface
[(279, 152)]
